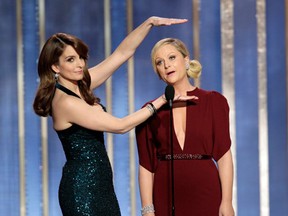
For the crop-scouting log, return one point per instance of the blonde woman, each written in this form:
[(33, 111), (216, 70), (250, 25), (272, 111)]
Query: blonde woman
[(203, 168)]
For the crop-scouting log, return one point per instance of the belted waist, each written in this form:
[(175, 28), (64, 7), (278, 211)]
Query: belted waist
[(184, 157)]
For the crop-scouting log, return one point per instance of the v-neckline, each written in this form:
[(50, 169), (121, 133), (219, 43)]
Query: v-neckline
[(186, 124), (185, 135)]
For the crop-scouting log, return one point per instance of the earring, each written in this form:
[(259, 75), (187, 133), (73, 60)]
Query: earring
[(56, 75)]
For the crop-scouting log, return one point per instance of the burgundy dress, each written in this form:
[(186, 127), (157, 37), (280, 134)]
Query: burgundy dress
[(197, 189)]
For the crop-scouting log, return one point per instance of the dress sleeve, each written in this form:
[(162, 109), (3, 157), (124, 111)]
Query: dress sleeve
[(146, 148), (221, 131)]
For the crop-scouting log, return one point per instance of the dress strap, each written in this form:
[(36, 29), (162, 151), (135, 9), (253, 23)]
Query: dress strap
[(69, 92), (184, 157), (66, 90)]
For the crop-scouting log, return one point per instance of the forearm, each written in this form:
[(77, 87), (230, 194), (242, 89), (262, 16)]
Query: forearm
[(225, 165), (129, 45), (146, 186), (141, 115), (101, 72)]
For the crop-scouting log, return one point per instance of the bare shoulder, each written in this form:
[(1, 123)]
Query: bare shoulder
[(64, 108), (63, 101), (68, 110)]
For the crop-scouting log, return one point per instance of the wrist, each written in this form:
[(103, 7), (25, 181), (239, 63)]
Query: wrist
[(147, 209), (151, 108), (226, 201), (163, 99), (150, 22), (153, 21), (160, 101)]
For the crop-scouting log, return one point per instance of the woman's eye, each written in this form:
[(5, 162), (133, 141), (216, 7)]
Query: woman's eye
[(70, 59), (172, 57), (158, 63)]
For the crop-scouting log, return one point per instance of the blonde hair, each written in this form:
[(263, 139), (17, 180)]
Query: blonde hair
[(194, 69)]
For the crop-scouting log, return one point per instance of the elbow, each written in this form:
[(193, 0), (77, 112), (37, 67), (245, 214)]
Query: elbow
[(122, 126), (126, 54), (122, 130)]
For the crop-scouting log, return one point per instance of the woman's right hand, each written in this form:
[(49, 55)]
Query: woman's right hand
[(162, 21), (184, 98)]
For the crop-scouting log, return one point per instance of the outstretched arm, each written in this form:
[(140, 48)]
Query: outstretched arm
[(71, 110), (101, 72)]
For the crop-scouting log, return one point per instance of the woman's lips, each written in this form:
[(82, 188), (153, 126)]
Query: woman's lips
[(169, 73)]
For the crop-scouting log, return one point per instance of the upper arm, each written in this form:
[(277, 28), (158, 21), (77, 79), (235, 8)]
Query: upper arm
[(145, 146), (102, 71), (221, 131), (72, 110)]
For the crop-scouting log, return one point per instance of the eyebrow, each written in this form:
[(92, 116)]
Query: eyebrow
[(169, 54), (69, 56), (158, 58)]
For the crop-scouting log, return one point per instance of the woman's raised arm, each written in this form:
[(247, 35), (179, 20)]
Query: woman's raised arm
[(101, 72)]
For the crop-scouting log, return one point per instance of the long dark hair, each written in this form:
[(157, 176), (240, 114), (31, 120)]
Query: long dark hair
[(49, 56)]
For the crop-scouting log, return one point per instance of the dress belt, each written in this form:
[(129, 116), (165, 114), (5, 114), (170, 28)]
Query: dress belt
[(184, 157)]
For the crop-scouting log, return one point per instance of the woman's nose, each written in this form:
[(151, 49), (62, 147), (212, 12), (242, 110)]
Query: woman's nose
[(81, 62), (166, 64)]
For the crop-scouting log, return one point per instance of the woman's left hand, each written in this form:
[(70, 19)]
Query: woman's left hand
[(226, 209)]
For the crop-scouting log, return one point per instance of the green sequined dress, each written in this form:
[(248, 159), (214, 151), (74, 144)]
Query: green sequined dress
[(86, 186)]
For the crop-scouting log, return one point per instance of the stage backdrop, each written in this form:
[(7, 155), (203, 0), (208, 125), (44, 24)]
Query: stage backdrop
[(243, 49)]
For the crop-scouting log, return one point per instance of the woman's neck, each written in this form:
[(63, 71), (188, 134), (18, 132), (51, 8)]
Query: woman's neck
[(183, 88)]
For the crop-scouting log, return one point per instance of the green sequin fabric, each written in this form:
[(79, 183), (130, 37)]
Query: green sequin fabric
[(86, 187)]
